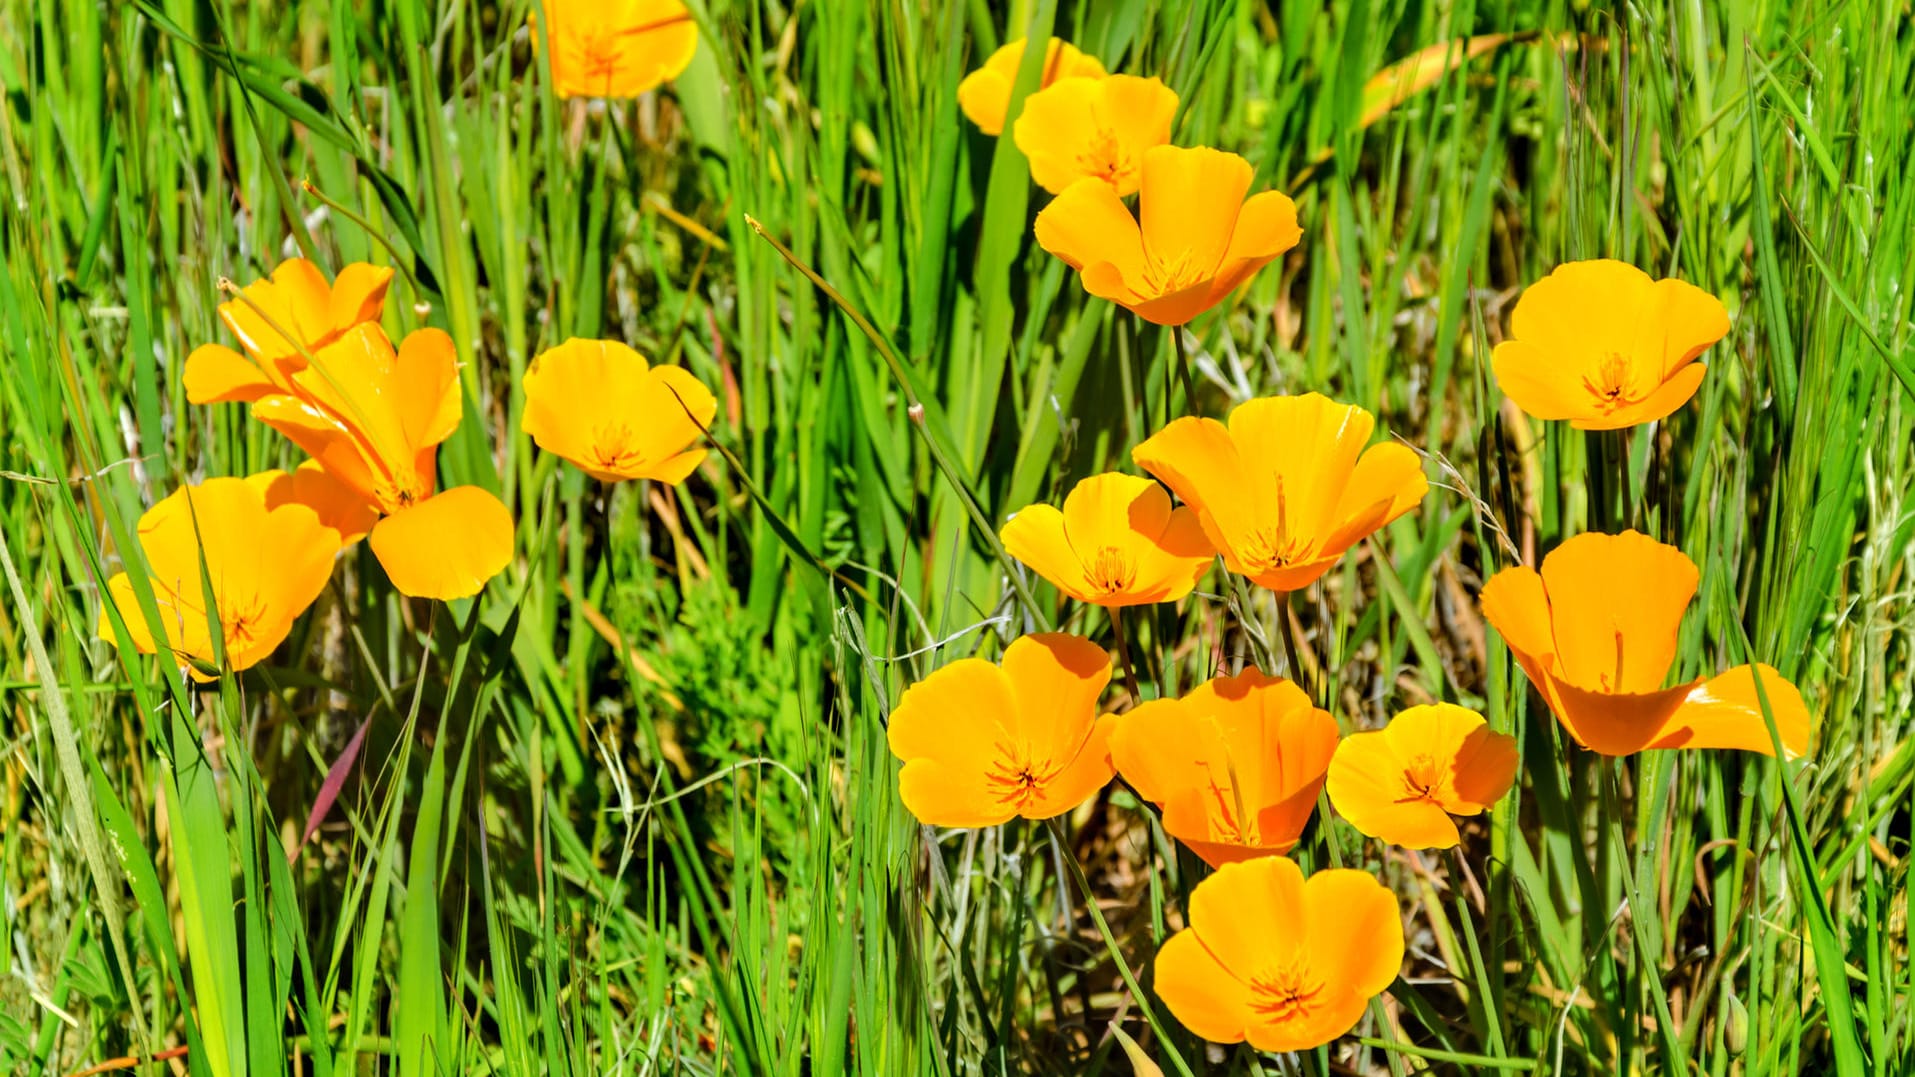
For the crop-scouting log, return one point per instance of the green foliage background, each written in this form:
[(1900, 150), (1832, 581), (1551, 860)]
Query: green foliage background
[(631, 811)]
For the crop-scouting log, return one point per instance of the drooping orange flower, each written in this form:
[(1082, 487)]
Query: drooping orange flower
[(1094, 129), (1287, 486), (1402, 783), (982, 743), (374, 418), (600, 405), (1235, 764), (1285, 962), (266, 565), (295, 300), (1198, 239), (1117, 543), (616, 48), (985, 94), (1595, 631), (1601, 344)]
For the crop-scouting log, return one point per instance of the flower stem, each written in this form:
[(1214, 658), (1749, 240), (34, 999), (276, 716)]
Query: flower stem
[(1123, 654), (1183, 369)]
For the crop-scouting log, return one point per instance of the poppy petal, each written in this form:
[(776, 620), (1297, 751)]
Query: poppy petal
[(1266, 228), (216, 374), (339, 507), (1251, 913), (1089, 225), (1036, 536), (936, 793), (358, 295), (1354, 928), (1616, 602), (1087, 772), (1484, 770), (1685, 321), (446, 546), (1191, 201), (1204, 995), (1616, 723), (1516, 604), (1056, 680), (1726, 712), (1200, 463), (1668, 398)]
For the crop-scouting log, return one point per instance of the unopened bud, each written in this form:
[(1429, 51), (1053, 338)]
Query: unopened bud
[(916, 412)]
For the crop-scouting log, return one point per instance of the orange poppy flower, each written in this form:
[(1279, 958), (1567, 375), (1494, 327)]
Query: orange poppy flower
[(617, 48), (1235, 764), (1287, 486), (1094, 129), (1117, 543), (1402, 783), (982, 743), (600, 405), (296, 299), (1601, 344), (266, 565), (374, 418), (1195, 238), (985, 94), (1284, 962), (1595, 631)]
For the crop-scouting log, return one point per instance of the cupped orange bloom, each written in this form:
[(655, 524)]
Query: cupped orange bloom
[(1235, 764), (1288, 485), (266, 565), (1595, 631), (373, 418), (1195, 238), (985, 94), (1603, 345), (1285, 962), (297, 300), (1402, 783), (982, 743), (1094, 129), (1117, 543), (617, 48), (600, 405)]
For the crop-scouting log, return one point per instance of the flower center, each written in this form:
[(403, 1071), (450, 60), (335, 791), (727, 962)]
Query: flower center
[(1422, 780), (1611, 384), (615, 447), (1165, 274), (599, 54), (240, 623), (1018, 780), (1275, 547), (1111, 571), (1285, 993), (398, 491), (1230, 822), (1106, 159)]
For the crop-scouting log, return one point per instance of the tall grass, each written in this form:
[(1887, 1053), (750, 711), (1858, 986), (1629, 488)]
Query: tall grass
[(631, 810)]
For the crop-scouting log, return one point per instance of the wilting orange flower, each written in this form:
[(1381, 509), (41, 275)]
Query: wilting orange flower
[(985, 94), (296, 300), (1288, 486), (1601, 344), (1284, 962), (1197, 241), (266, 566), (600, 405), (374, 418), (1402, 783), (982, 743), (1094, 129), (1235, 764), (1596, 633), (1117, 543), (617, 48)]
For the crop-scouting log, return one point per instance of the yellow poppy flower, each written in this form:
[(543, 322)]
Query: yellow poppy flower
[(1284, 962), (985, 94), (374, 418), (1117, 543), (1595, 631), (297, 299), (617, 48), (1194, 241), (1603, 345), (984, 743), (1235, 764), (1094, 129), (600, 405), (1287, 486), (1402, 783), (266, 566)]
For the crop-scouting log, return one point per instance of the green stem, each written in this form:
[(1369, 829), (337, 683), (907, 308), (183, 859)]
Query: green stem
[(1123, 654)]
